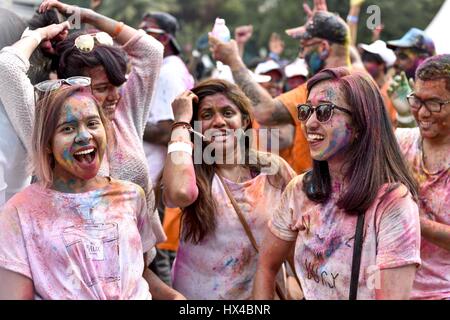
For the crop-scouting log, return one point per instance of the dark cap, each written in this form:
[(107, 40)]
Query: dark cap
[(167, 23), (324, 25), (416, 39)]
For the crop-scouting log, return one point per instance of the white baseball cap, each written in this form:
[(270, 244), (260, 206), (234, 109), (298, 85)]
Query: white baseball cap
[(267, 66), (379, 47), (296, 68)]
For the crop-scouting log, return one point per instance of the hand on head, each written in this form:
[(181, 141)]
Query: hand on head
[(52, 31), (182, 106), (53, 4)]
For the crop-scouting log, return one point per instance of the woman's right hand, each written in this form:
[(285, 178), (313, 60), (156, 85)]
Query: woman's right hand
[(51, 31), (182, 106)]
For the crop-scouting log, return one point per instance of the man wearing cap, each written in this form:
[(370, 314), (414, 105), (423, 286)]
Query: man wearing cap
[(274, 83), (325, 43), (296, 74), (411, 50), (174, 78), (377, 59)]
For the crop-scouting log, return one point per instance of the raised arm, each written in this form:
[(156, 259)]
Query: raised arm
[(242, 34), (352, 19), (268, 111), (16, 90), (179, 181), (121, 32), (145, 53)]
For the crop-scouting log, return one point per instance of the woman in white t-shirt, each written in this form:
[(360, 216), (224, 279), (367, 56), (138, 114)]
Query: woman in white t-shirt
[(75, 235), (358, 171), (215, 258)]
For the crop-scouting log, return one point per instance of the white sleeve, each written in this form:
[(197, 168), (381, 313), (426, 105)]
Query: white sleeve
[(17, 93), (168, 87)]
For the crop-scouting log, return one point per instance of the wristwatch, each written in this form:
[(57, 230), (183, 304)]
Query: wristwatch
[(36, 35)]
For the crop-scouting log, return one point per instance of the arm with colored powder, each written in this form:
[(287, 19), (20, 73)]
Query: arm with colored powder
[(15, 273), (15, 286), (144, 51), (396, 283), (160, 290), (273, 253), (277, 246), (122, 33), (179, 180), (435, 232)]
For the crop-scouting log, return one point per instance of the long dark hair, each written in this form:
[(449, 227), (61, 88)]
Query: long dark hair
[(73, 62), (199, 218), (374, 158)]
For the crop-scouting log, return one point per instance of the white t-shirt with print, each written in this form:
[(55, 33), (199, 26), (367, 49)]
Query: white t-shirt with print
[(82, 246)]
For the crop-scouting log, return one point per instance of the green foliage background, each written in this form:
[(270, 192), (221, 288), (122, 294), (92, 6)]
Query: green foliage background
[(197, 16)]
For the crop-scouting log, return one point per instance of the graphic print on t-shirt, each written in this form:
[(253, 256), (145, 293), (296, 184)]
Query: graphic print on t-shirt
[(94, 248)]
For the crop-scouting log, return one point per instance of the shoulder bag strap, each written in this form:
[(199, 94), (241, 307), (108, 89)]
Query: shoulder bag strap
[(356, 261), (248, 231)]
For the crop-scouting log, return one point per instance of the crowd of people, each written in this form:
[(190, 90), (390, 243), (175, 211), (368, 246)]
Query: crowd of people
[(127, 174)]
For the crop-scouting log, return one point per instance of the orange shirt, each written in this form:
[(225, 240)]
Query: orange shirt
[(171, 226), (298, 155)]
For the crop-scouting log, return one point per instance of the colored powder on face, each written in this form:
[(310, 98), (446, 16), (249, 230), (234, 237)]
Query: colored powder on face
[(70, 117), (83, 138), (67, 156), (340, 139)]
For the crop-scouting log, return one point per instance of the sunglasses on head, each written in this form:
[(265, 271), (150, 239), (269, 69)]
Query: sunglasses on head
[(324, 112), (86, 42), (52, 85)]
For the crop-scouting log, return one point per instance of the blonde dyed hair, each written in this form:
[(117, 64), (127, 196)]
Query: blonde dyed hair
[(47, 114)]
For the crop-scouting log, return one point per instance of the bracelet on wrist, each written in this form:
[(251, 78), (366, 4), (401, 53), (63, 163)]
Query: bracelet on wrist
[(352, 19), (185, 125), (181, 140), (118, 29), (177, 146)]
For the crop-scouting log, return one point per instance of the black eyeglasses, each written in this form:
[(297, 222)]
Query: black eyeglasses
[(431, 105), (324, 112)]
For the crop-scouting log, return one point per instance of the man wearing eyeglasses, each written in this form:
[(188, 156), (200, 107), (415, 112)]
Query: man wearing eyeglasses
[(174, 79), (427, 150)]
